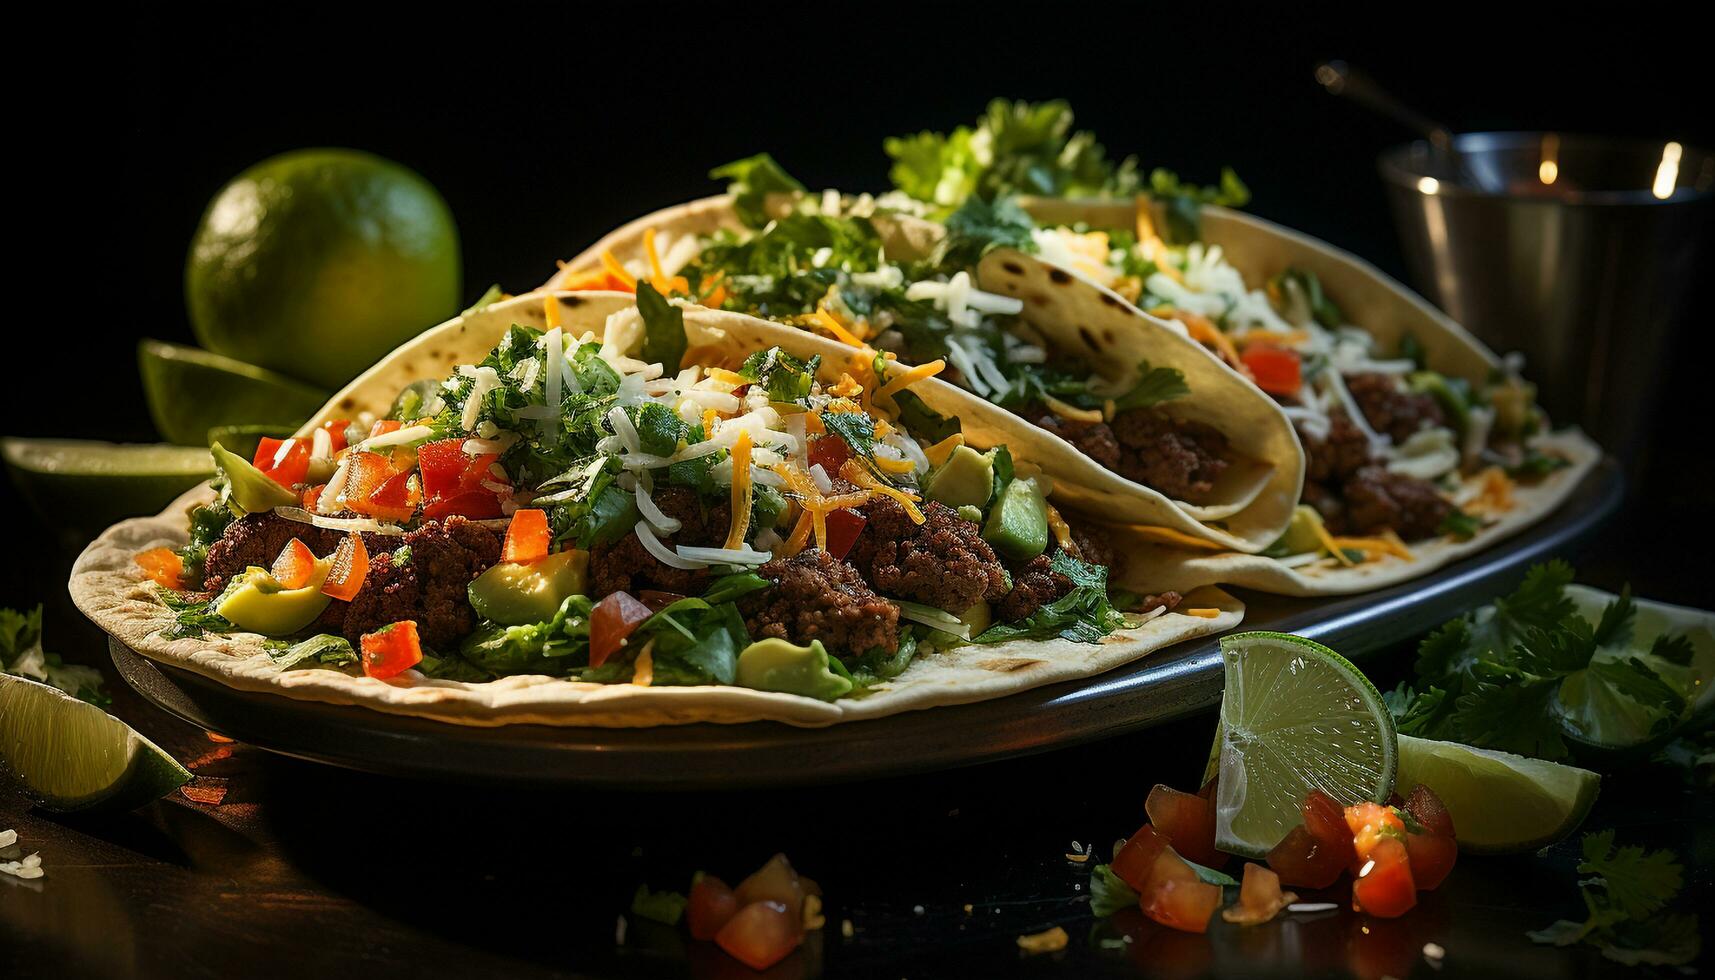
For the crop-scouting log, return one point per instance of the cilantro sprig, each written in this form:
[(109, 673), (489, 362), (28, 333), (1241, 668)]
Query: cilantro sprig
[(1627, 895)]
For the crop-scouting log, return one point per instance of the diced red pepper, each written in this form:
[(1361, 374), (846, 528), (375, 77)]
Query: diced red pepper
[(392, 649), (760, 935), (164, 567), (1188, 823), (612, 620), (394, 500), (313, 496), (830, 452), (844, 526), (335, 429), (1136, 857), (384, 425), (527, 536), (1275, 370), (477, 505), (480, 470), (1183, 905), (1384, 887), (285, 461), (294, 566), (365, 473), (349, 568), (442, 464), (711, 906)]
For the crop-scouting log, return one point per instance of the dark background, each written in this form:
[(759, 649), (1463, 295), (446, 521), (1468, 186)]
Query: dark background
[(545, 127)]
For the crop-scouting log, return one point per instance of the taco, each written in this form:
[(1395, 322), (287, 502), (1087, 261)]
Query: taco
[(1132, 417), (612, 510), (1422, 445)]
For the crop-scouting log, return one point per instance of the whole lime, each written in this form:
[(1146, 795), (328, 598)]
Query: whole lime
[(315, 263)]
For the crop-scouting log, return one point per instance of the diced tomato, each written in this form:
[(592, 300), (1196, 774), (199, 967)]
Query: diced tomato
[(1384, 887), (365, 473), (478, 505), (480, 470), (1260, 897), (1370, 824), (395, 499), (1275, 370), (1325, 820), (1427, 809), (392, 649), (1188, 823), (759, 935), (844, 526), (775, 881), (441, 463), (285, 461), (1306, 862), (657, 600), (1168, 866), (712, 905), (294, 566), (527, 536), (349, 568), (1209, 789), (164, 567), (611, 621), (1183, 905), (335, 429), (830, 452), (383, 426), (1137, 856), (313, 496)]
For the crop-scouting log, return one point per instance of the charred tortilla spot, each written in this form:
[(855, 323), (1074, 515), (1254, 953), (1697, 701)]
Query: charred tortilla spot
[(348, 403), (1013, 267), (570, 300), (1089, 339), (1008, 665), (1060, 276), (1038, 299), (1109, 299), (1108, 335)]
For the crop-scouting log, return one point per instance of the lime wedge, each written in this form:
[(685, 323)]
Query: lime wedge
[(71, 755), (1295, 716), (1501, 803), (86, 486), (191, 391)]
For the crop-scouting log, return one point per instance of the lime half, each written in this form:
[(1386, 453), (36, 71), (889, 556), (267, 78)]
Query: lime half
[(191, 391), (86, 485), (1296, 716), (71, 755), (1501, 803)]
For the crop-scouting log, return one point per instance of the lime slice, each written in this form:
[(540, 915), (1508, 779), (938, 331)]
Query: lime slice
[(86, 486), (191, 391), (1295, 716), (71, 755), (1501, 803)]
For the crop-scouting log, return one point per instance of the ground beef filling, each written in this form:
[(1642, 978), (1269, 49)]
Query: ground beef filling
[(943, 562), (818, 597), (1179, 458), (1035, 583), (258, 539), (1356, 495), (624, 565), (1390, 407)]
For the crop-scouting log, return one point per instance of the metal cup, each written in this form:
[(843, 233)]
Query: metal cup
[(1577, 251)]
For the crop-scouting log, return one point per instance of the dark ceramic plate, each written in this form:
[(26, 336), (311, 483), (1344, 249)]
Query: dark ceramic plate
[(1166, 685)]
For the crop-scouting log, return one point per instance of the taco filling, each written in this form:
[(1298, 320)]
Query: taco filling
[(628, 510), (873, 272)]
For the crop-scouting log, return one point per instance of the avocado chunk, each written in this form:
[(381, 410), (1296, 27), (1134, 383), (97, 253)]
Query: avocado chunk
[(257, 602), (776, 665), (1017, 526), (1300, 536), (1451, 395), (514, 593), (1514, 401), (979, 617), (248, 487), (966, 479)]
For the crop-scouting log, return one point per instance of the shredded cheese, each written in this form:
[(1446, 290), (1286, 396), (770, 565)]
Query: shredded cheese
[(1066, 411), (1203, 613), (643, 671), (741, 491), (551, 311), (1332, 544), (617, 271), (1387, 543), (856, 473), (800, 534), (832, 324), (1178, 539), (890, 465), (939, 452), (1062, 532), (911, 377)]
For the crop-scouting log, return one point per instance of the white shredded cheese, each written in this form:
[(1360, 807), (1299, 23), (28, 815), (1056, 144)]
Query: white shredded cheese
[(725, 556), (668, 556), (360, 524)]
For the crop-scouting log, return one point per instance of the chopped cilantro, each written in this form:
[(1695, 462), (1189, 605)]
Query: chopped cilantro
[(21, 654), (1627, 896), (753, 179), (663, 329)]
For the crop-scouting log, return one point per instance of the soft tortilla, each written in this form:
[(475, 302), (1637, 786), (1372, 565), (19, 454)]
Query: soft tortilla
[(109, 588), (1249, 507)]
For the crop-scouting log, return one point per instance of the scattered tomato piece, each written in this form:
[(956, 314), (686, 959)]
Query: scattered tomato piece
[(760, 935), (1188, 823), (1427, 809), (830, 452), (350, 567), (1370, 824), (384, 425), (844, 526), (164, 567), (477, 505), (775, 881), (711, 906), (1183, 905), (612, 620), (1260, 897), (295, 564), (335, 429), (527, 536), (1135, 859), (1384, 887), (441, 464), (1275, 370), (312, 496), (392, 649), (1434, 852), (1306, 862), (285, 461), (395, 499)]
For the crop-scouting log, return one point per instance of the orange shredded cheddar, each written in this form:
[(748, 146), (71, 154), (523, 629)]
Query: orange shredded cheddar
[(1204, 332), (643, 668), (1178, 539), (831, 323), (1066, 411), (1496, 494), (856, 473), (657, 278), (1203, 612), (911, 377), (617, 270), (1332, 544), (551, 311), (1386, 543), (1062, 532), (800, 534), (939, 452), (846, 387), (741, 491), (710, 417), (163, 567), (890, 465)]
